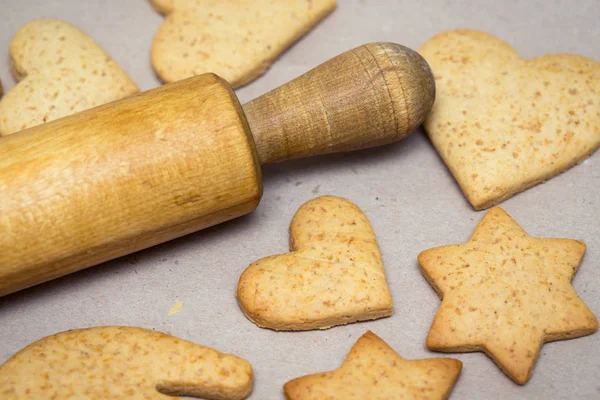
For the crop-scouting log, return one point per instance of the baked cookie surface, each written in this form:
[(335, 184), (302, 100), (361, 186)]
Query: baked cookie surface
[(61, 71), (332, 276), (373, 370), (506, 293), (503, 124), (235, 39), (122, 363)]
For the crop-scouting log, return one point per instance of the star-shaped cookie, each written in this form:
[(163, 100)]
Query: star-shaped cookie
[(506, 293), (373, 370)]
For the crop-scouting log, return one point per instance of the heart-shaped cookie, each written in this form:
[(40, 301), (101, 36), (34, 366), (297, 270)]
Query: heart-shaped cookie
[(503, 124), (120, 362), (237, 40), (332, 276), (61, 71)]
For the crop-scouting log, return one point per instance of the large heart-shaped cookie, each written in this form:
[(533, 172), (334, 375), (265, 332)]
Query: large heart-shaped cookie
[(503, 124), (122, 363), (237, 40), (61, 71), (332, 276)]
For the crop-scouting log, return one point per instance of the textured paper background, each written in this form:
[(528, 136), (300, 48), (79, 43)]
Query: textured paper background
[(405, 190)]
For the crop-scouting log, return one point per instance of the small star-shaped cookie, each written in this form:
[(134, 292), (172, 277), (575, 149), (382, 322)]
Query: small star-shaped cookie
[(506, 293), (373, 370)]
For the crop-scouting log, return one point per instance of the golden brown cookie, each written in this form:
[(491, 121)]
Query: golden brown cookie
[(122, 363), (332, 276), (373, 370), (503, 124), (61, 71), (506, 293), (235, 39)]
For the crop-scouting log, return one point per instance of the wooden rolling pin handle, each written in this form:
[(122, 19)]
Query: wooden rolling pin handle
[(128, 175), (372, 95)]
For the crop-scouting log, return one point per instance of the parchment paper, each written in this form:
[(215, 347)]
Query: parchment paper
[(405, 190)]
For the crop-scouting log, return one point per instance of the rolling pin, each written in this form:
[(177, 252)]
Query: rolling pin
[(127, 175)]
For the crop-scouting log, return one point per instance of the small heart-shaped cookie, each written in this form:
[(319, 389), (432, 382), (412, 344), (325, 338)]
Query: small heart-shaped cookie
[(332, 276), (61, 71), (237, 40), (503, 124), (122, 363)]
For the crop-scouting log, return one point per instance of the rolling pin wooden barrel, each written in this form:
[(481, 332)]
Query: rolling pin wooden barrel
[(152, 167)]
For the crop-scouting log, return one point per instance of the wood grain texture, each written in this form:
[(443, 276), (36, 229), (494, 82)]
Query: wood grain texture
[(122, 177), (369, 96)]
